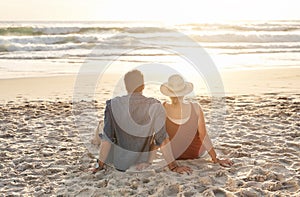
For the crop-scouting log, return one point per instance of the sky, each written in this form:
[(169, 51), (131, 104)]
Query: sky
[(149, 10)]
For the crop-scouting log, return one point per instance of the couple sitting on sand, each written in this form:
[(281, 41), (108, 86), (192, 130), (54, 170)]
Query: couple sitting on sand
[(135, 126)]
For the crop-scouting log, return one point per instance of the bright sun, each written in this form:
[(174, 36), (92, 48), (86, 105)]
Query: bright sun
[(169, 11)]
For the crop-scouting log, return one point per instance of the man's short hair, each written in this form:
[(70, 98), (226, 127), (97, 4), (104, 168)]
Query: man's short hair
[(133, 80)]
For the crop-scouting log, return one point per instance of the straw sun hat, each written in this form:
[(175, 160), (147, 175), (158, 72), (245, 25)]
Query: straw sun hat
[(176, 86)]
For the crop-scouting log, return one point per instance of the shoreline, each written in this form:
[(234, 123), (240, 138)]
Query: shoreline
[(238, 82)]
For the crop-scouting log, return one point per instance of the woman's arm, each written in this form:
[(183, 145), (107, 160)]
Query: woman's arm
[(206, 142), (166, 150)]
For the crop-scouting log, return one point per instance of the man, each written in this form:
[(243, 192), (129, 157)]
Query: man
[(132, 125)]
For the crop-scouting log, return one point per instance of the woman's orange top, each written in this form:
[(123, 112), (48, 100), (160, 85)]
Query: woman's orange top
[(185, 140)]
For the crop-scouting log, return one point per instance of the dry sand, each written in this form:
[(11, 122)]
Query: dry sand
[(43, 151)]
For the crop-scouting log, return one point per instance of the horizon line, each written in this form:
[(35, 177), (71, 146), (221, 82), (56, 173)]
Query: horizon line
[(151, 21)]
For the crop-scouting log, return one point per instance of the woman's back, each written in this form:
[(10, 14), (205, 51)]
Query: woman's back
[(182, 128), (185, 122)]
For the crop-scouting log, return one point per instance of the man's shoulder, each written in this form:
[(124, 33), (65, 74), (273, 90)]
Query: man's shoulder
[(146, 99), (152, 100), (114, 99), (108, 102)]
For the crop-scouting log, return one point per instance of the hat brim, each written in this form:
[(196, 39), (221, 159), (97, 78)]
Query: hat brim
[(165, 90)]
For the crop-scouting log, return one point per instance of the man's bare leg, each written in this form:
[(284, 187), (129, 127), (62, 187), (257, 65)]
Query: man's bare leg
[(96, 139)]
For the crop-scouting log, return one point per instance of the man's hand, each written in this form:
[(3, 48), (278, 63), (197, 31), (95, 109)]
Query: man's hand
[(182, 170), (142, 166), (99, 167), (95, 170)]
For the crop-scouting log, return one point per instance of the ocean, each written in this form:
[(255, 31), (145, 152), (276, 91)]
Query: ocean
[(34, 49)]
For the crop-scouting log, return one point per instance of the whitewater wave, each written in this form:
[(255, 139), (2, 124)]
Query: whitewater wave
[(43, 47), (250, 38), (287, 45), (80, 55), (55, 40), (60, 39), (261, 51), (227, 41), (268, 27), (54, 43), (37, 31)]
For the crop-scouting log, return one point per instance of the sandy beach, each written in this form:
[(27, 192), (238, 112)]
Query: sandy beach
[(44, 153)]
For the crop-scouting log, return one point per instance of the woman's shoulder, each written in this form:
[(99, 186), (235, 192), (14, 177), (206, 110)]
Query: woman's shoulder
[(165, 104), (197, 107)]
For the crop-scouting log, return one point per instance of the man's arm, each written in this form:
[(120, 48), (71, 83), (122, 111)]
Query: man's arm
[(106, 137), (103, 153)]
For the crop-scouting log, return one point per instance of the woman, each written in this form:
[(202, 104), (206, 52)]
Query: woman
[(185, 123)]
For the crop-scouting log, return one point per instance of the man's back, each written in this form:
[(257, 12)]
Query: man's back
[(133, 122)]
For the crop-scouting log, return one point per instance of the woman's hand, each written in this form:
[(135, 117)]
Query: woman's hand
[(174, 167), (182, 170), (224, 162)]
